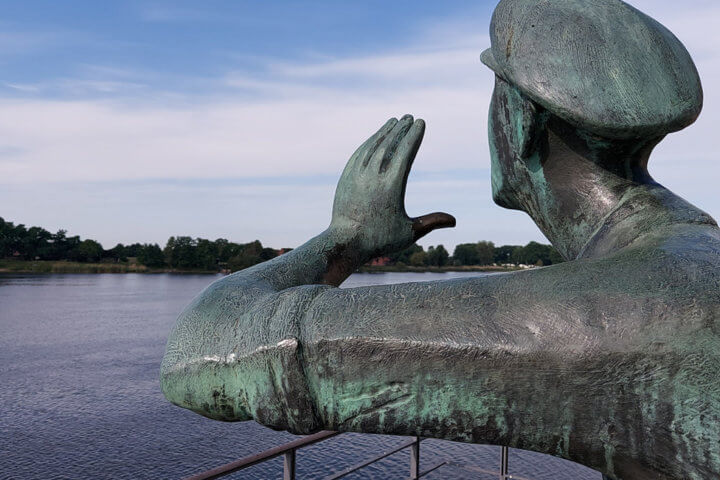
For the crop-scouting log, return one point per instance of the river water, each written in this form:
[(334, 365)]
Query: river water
[(79, 393)]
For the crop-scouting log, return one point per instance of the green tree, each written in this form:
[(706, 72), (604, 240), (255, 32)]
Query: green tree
[(180, 252), (70, 247), (555, 256), (250, 254), (223, 250), (518, 255), (466, 254), (11, 237), (5, 242), (486, 253), (504, 254), (268, 254), (59, 248), (132, 250), (535, 253), (35, 243), (88, 251), (438, 256), (417, 259), (207, 254), (480, 253), (403, 256), (117, 253), (151, 255)]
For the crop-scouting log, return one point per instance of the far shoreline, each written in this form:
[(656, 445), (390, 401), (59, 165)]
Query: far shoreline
[(57, 267), (54, 267), (431, 269)]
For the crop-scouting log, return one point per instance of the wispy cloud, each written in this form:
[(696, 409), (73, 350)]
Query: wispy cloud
[(90, 81), (20, 43), (21, 87), (169, 13), (418, 67), (16, 40)]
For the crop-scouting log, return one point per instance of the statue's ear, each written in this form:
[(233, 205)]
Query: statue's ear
[(532, 128), (520, 119)]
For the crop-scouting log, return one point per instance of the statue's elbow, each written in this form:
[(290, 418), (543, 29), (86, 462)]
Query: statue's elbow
[(198, 388)]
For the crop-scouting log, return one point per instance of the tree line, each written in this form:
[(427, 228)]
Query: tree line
[(187, 253), (182, 253), (481, 253)]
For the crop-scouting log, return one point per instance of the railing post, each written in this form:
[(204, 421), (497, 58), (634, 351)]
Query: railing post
[(289, 465), (415, 459), (504, 472)]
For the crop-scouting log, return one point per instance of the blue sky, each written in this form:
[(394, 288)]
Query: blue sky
[(134, 121)]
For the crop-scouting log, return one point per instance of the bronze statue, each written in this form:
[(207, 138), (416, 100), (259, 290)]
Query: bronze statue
[(611, 359)]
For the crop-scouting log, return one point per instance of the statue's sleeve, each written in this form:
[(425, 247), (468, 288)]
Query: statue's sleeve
[(449, 359), (316, 357)]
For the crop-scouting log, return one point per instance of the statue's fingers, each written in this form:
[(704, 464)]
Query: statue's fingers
[(421, 226), (405, 155), (382, 156), (362, 155)]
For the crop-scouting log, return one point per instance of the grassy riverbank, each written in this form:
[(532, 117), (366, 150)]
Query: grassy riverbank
[(46, 266)]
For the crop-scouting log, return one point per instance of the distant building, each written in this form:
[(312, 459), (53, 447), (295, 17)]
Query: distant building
[(379, 262)]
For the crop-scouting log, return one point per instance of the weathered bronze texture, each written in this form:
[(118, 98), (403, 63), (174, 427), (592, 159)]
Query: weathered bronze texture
[(611, 359), (600, 64)]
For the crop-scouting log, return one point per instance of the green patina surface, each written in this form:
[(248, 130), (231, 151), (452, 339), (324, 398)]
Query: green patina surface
[(610, 359)]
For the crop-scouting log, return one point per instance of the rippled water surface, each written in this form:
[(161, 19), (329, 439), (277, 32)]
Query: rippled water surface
[(79, 393)]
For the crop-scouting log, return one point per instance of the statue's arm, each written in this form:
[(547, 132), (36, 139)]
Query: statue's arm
[(242, 350)]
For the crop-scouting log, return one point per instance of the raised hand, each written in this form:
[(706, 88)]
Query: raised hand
[(369, 208)]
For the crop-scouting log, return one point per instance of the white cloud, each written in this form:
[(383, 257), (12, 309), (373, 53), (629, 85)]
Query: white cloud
[(288, 126)]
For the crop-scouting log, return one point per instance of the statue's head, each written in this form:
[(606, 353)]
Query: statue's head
[(601, 70)]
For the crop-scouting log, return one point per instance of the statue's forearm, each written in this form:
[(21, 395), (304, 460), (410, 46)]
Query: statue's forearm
[(329, 258), (251, 366)]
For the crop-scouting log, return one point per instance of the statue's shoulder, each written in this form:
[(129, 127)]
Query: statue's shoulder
[(691, 252), (672, 279)]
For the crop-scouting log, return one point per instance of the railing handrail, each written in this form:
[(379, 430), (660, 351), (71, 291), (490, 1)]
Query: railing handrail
[(289, 449), (365, 463), (263, 456)]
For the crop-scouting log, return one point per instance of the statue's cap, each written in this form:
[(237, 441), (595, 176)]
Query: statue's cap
[(601, 65)]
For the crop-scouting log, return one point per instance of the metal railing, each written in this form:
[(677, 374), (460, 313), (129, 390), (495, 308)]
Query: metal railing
[(288, 452)]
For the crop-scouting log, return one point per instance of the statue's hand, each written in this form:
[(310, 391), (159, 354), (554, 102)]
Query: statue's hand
[(369, 209)]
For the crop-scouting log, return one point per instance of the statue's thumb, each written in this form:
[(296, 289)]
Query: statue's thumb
[(427, 223)]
